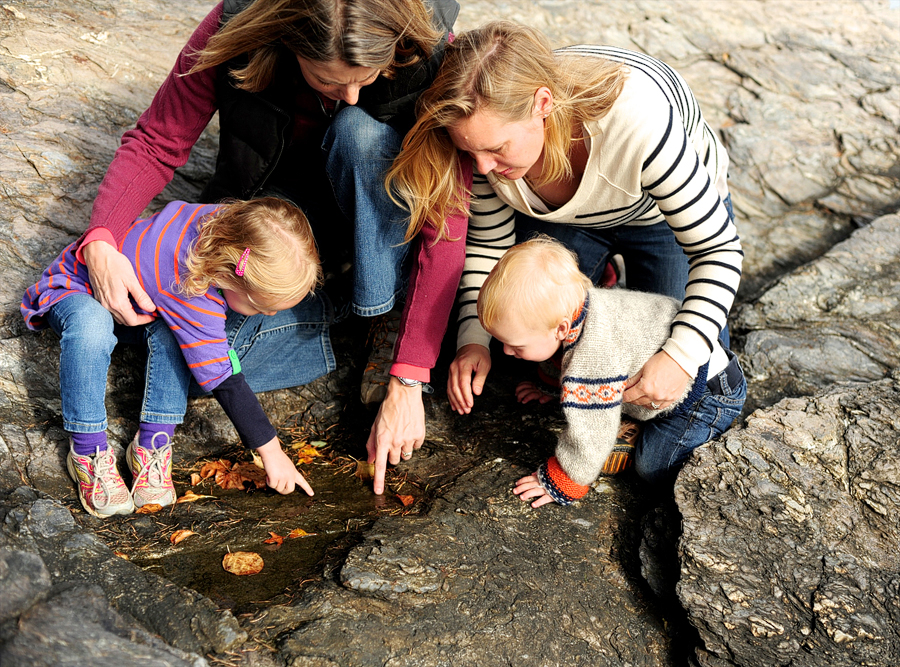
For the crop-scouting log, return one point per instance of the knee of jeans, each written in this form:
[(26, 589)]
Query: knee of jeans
[(88, 323), (355, 134)]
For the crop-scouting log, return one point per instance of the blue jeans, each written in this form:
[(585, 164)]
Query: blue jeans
[(654, 262), (285, 350), (359, 150), (665, 443)]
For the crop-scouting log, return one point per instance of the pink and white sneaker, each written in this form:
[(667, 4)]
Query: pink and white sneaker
[(101, 489), (151, 471)]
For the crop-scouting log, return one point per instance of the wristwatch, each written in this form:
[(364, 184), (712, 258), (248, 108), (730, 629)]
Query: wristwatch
[(409, 382)]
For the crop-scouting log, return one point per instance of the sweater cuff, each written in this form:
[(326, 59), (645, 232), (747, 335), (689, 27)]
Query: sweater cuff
[(96, 234), (411, 372), (558, 484)]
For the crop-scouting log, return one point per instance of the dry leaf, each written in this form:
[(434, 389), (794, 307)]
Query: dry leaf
[(298, 532), (190, 497), (257, 459), (195, 479), (365, 471), (307, 453), (214, 467), (150, 508), (275, 539), (122, 555), (406, 500), (233, 475), (243, 562), (179, 535)]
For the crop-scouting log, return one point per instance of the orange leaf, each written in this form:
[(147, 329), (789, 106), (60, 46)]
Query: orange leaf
[(179, 535), (298, 532), (122, 555), (150, 508), (243, 562), (195, 479), (190, 497), (365, 471), (233, 476), (307, 453), (275, 539), (406, 500), (214, 467)]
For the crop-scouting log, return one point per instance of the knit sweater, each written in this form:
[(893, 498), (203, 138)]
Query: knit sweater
[(611, 339), (162, 141), (651, 159)]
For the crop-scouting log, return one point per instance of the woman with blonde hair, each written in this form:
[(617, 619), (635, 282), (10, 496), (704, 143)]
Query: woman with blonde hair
[(313, 99), (602, 148)]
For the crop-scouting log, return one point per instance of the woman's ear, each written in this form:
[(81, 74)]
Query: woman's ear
[(543, 102)]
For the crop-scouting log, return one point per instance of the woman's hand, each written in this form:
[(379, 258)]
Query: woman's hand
[(529, 391), (471, 359), (281, 473), (529, 487), (399, 428), (658, 384), (113, 279)]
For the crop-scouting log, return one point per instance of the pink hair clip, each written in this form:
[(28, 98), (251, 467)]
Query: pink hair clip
[(242, 263)]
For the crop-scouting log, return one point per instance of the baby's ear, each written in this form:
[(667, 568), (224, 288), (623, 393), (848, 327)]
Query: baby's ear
[(563, 329)]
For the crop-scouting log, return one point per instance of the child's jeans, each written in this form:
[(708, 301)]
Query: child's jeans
[(666, 443), (285, 350)]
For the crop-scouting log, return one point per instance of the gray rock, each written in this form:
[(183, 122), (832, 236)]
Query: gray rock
[(24, 580), (789, 549), (78, 628), (837, 318)]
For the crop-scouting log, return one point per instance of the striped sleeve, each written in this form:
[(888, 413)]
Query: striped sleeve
[(677, 181), (492, 230)]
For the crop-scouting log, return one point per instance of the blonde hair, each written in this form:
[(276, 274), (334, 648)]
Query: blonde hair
[(496, 68), (282, 265), (538, 280), (381, 34)]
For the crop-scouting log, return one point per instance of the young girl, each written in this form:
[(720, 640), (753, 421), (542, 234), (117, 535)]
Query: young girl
[(200, 264)]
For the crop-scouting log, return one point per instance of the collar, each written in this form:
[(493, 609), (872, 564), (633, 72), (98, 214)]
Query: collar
[(578, 318)]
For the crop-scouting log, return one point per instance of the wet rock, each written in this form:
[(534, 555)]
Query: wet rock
[(483, 574), (837, 318), (78, 627), (789, 549)]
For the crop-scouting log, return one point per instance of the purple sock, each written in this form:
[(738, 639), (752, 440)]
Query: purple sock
[(87, 444), (147, 431)]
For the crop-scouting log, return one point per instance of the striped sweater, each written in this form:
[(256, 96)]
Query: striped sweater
[(156, 247), (651, 159)]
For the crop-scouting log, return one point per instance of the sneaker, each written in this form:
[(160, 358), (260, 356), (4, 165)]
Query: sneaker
[(622, 456), (101, 489), (382, 337), (151, 471)]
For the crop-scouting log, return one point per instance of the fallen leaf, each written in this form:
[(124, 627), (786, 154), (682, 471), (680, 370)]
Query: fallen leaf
[(365, 471), (195, 479), (406, 500), (122, 555), (275, 539), (214, 467), (248, 472), (318, 443), (179, 535), (298, 532), (150, 508), (190, 497), (243, 562), (307, 454), (257, 460)]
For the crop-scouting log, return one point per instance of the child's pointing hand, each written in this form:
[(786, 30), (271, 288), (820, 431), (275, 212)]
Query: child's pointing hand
[(281, 473)]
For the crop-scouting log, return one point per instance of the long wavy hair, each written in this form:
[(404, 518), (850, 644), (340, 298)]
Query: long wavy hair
[(380, 34), (497, 68), (282, 265)]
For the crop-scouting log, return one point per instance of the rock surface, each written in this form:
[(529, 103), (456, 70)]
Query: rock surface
[(789, 523), (790, 533)]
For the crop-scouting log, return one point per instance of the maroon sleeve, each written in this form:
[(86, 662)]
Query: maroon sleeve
[(433, 281), (162, 139)]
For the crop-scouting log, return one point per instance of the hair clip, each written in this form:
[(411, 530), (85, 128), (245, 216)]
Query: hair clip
[(242, 263)]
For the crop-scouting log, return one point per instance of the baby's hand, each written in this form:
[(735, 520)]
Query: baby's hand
[(529, 391), (529, 487), (281, 473)]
